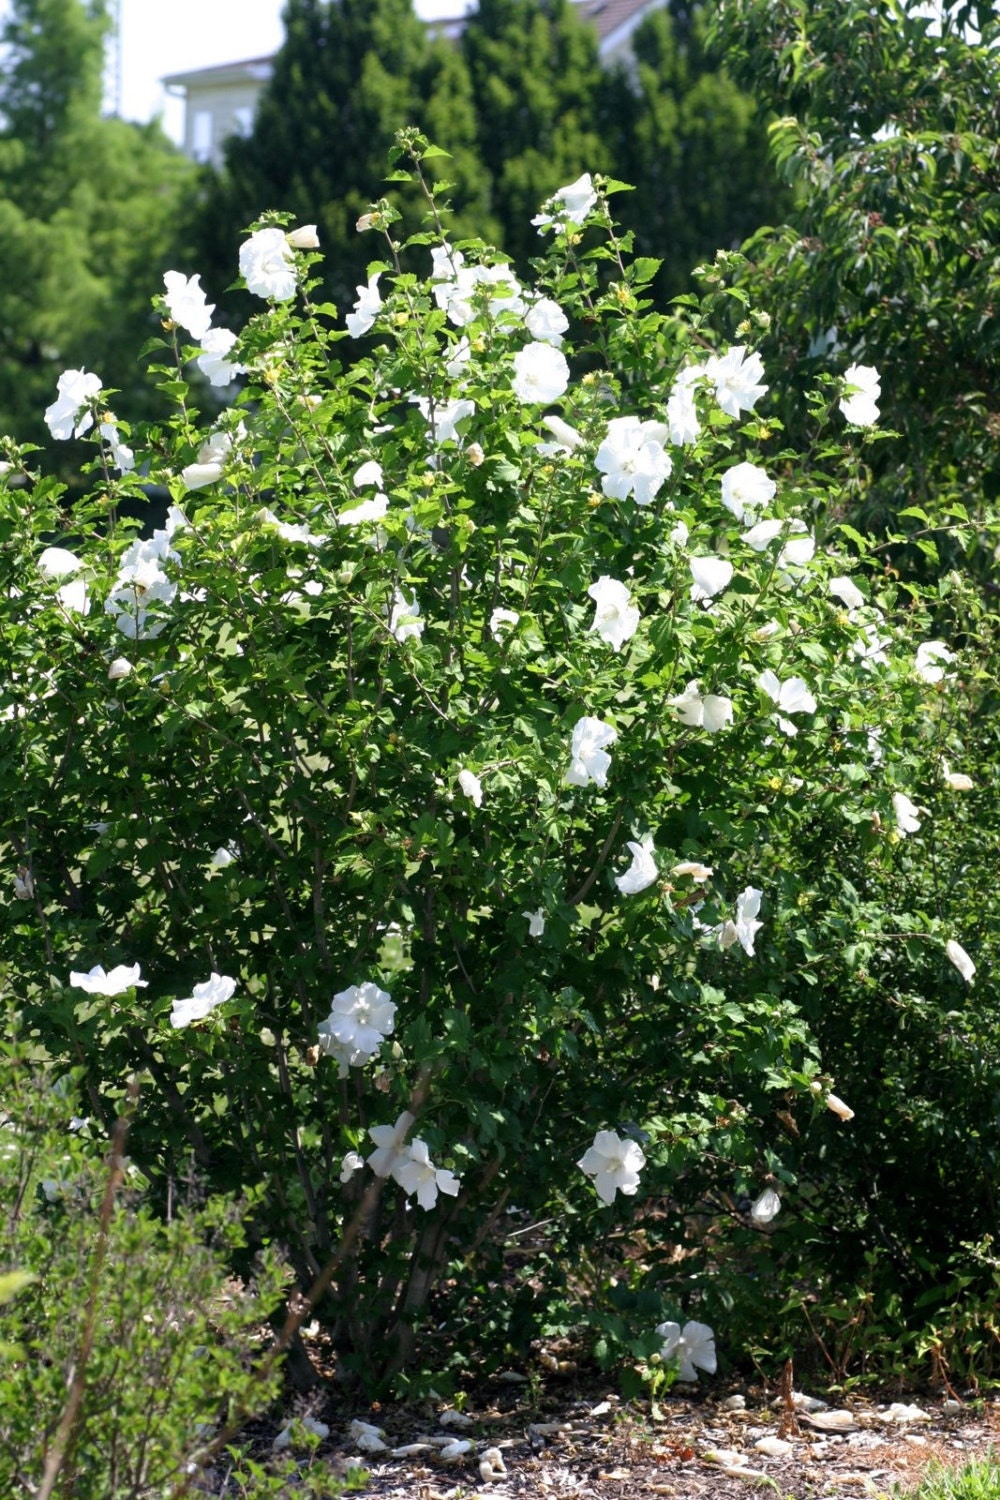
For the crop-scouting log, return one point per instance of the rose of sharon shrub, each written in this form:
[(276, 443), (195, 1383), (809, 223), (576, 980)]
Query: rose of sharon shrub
[(304, 676)]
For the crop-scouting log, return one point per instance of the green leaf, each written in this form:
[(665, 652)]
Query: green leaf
[(12, 1282), (644, 268)]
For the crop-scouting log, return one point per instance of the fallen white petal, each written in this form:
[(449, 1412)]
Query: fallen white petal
[(957, 955)]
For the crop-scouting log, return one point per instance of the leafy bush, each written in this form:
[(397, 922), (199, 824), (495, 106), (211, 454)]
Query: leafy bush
[(977, 1480), (125, 1345), (889, 253), (561, 755)]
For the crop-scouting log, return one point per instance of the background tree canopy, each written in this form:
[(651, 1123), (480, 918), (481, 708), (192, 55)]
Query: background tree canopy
[(523, 105), (89, 204), (888, 135), (520, 102)]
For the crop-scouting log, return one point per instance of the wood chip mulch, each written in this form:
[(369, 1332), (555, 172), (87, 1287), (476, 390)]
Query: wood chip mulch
[(564, 1443)]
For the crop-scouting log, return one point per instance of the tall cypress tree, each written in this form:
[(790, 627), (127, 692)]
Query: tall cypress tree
[(523, 105)]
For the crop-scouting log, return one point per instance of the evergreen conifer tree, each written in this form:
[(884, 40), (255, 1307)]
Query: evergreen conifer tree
[(536, 81), (522, 104)]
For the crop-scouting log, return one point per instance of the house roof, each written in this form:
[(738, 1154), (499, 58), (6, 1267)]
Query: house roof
[(259, 69), (608, 15), (608, 18)]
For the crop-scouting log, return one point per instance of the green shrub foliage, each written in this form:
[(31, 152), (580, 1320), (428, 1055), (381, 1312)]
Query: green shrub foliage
[(889, 255), (125, 1348), (503, 692)]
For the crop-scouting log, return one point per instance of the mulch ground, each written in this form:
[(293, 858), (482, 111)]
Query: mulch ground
[(577, 1438)]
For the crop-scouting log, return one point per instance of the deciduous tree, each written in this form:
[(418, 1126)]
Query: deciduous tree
[(88, 207), (888, 134)]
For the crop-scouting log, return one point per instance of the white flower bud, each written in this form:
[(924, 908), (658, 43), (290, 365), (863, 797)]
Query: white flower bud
[(120, 667), (303, 238)]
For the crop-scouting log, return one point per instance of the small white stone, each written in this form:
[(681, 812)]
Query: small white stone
[(453, 1418), (491, 1465), (727, 1458), (368, 1438), (733, 1403), (774, 1447), (454, 1452), (286, 1437), (370, 1442), (808, 1403), (831, 1421), (898, 1412)]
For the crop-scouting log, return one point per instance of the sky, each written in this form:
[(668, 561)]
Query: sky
[(159, 37)]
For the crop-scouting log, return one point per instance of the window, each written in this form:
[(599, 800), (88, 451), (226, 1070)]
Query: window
[(201, 135)]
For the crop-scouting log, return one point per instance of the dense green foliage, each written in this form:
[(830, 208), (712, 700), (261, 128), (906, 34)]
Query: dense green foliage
[(889, 135), (275, 784), (132, 1318), (890, 259), (692, 141), (88, 208), (977, 1480)]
